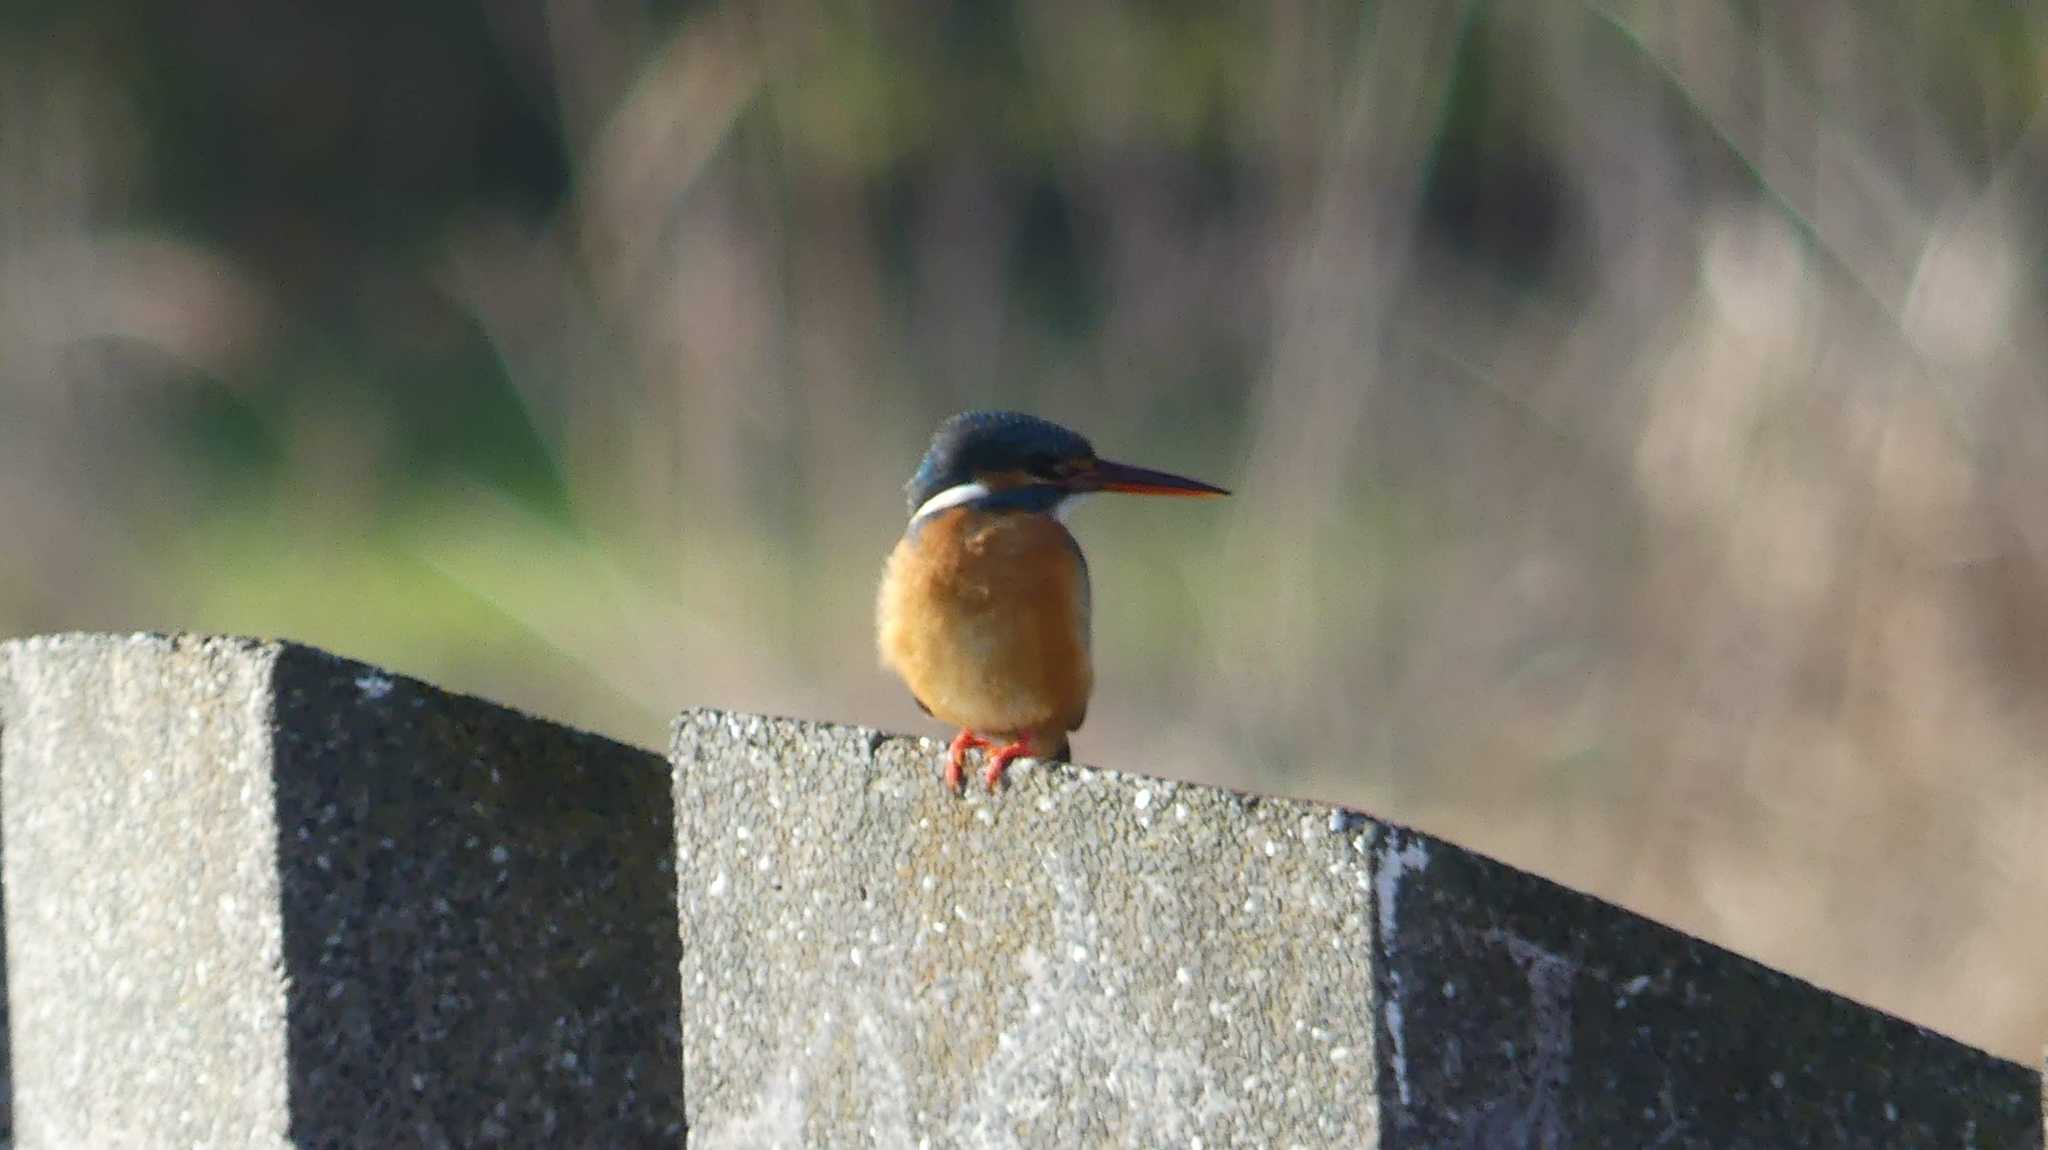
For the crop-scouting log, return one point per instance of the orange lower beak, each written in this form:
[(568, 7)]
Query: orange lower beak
[(1107, 476)]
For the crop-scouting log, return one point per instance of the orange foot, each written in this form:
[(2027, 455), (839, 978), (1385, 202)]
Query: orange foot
[(956, 758), (999, 761)]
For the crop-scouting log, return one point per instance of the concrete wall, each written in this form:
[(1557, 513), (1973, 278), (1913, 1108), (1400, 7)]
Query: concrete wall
[(1092, 958), (259, 896)]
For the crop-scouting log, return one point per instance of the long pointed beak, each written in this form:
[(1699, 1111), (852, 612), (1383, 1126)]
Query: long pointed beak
[(1107, 476)]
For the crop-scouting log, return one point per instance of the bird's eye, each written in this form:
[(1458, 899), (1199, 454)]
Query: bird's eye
[(1045, 467)]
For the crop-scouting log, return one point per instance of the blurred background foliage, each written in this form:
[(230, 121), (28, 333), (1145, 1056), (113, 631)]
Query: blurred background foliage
[(1636, 408)]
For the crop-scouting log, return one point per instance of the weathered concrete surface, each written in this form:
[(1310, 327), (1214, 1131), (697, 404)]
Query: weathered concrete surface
[(1525, 1014), (1091, 958), (1087, 960), (257, 895)]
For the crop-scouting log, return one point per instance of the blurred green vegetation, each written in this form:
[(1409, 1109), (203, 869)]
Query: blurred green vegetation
[(1635, 408)]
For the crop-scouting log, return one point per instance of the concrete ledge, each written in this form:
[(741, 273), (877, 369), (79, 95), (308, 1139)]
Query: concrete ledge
[(1091, 958), (256, 894)]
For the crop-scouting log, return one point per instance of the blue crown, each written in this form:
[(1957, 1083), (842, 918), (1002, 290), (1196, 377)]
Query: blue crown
[(976, 443)]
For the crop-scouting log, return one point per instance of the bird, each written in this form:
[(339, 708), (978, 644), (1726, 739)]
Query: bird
[(984, 609)]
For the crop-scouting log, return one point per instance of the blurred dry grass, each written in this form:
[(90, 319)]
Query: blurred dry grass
[(1636, 410)]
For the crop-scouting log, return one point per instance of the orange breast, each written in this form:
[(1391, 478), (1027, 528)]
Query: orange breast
[(985, 616)]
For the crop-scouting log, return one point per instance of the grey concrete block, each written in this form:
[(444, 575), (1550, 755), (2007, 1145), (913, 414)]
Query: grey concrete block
[(257, 895), (1525, 1014), (1087, 960), (1092, 958)]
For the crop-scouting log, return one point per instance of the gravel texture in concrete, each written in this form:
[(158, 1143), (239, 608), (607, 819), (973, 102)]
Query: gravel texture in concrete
[(144, 929), (1095, 959), (258, 895), (1085, 959)]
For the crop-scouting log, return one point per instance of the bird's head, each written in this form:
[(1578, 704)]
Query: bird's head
[(1001, 459)]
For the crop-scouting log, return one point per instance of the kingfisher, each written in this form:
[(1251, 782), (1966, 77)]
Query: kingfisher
[(984, 609)]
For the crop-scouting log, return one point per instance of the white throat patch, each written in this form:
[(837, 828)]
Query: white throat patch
[(952, 496)]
